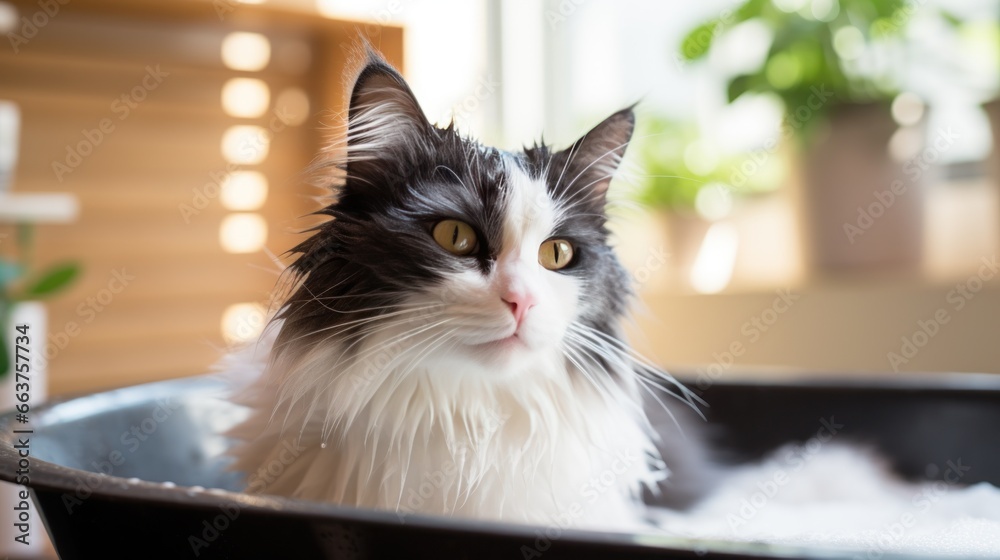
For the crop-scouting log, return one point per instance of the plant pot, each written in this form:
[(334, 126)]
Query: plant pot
[(685, 234), (33, 315), (859, 210)]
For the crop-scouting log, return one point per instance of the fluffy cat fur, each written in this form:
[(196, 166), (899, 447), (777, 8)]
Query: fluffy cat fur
[(399, 376)]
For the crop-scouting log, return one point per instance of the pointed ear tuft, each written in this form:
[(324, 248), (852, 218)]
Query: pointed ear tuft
[(384, 114), (587, 167)]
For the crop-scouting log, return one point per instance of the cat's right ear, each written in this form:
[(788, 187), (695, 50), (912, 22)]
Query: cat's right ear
[(384, 120), (588, 166)]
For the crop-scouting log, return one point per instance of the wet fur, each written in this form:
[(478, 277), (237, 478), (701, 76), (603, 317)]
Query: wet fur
[(372, 389)]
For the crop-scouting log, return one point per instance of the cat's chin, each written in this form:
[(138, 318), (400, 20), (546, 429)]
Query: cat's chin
[(504, 346), (512, 353)]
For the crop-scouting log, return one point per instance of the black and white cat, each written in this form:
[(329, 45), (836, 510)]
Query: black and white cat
[(451, 341)]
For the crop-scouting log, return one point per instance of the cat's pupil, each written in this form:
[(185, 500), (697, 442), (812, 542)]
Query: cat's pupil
[(454, 236), (555, 252)]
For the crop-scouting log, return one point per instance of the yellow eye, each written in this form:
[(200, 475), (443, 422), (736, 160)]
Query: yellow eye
[(458, 238), (555, 254)]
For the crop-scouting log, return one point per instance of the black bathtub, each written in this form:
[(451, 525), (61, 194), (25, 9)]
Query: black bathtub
[(128, 511)]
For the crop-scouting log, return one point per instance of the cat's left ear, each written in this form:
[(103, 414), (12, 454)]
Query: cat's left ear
[(384, 120), (585, 169)]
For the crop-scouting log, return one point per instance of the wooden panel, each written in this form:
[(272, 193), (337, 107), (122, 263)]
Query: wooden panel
[(163, 154)]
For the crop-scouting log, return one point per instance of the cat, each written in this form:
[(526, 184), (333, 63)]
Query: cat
[(450, 342)]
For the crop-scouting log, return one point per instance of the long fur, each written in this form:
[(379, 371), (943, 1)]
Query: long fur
[(381, 381)]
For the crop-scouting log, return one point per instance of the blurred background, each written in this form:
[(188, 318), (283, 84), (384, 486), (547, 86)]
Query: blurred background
[(813, 184)]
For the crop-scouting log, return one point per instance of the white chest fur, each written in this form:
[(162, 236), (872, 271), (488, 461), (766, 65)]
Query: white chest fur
[(547, 449)]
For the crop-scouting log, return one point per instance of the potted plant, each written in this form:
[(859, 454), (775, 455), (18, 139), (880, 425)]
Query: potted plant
[(836, 67), (19, 288), (690, 184)]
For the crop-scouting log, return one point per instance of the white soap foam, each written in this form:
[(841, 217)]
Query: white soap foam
[(842, 497)]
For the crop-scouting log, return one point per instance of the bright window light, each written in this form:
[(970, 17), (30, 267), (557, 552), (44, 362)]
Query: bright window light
[(292, 106), (8, 17), (824, 10), (713, 267), (243, 233), (906, 143), (908, 108), (849, 42), (245, 144), (243, 322), (714, 201), (245, 97), (244, 190), (246, 51), (327, 7)]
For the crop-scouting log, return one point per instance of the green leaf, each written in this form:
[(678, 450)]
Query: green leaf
[(52, 280), (951, 18), (698, 41), (750, 10)]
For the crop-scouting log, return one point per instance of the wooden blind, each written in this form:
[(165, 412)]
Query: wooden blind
[(121, 106)]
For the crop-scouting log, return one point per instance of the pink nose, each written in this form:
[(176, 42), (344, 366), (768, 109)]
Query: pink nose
[(519, 304)]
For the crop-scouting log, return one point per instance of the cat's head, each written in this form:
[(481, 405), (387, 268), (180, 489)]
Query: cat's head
[(445, 253)]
